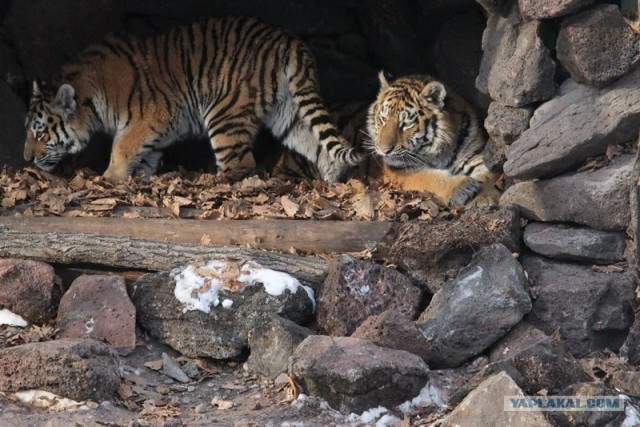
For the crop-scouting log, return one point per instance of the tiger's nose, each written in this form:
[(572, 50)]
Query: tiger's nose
[(28, 157), (386, 150)]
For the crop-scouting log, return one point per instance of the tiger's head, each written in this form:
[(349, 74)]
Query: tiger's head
[(52, 126), (406, 122)]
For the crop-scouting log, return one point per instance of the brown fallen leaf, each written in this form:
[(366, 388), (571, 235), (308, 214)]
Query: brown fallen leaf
[(290, 207), (155, 365), (216, 402)]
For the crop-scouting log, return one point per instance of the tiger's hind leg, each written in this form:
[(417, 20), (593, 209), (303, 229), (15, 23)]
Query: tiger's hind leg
[(232, 136)]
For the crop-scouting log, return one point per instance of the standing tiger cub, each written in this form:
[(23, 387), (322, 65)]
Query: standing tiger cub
[(422, 137), (223, 78)]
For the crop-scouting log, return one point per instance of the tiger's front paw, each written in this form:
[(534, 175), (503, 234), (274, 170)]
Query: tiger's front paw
[(465, 191), (488, 197)]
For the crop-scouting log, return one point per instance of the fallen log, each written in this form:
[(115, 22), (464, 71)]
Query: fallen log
[(279, 235), (142, 254)]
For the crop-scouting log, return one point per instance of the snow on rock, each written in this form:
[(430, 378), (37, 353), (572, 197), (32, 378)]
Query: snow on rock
[(199, 285), (9, 318)]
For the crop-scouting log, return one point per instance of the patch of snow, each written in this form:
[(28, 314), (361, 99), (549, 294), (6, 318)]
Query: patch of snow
[(198, 287), (47, 400), (632, 416), (373, 414), (364, 289), (428, 395), (10, 318), (388, 420)]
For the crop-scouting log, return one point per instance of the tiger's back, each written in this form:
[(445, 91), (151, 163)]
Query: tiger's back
[(223, 78)]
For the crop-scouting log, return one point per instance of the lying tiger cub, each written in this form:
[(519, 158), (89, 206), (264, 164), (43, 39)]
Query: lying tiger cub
[(423, 137)]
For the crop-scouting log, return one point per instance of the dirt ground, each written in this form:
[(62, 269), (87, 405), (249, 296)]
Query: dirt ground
[(224, 395)]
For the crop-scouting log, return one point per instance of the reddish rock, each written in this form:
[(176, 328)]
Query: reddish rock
[(545, 9), (98, 307), (77, 369), (28, 288), (393, 329), (355, 290)]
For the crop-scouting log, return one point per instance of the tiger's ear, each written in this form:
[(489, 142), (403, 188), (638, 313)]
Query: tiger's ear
[(36, 92), (384, 83), (434, 93), (66, 99)]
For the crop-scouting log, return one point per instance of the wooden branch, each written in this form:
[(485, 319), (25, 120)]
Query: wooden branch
[(143, 254), (279, 235)]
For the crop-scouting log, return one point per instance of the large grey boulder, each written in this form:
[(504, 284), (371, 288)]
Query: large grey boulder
[(484, 406), (575, 243), (630, 350), (77, 369), (590, 309), (516, 67), (579, 123), (354, 290), (545, 9), (435, 251), (223, 332), (542, 362), (474, 310), (598, 199), (597, 46), (354, 375)]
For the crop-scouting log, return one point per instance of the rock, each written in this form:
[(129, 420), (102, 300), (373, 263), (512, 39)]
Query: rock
[(171, 369), (589, 308), (461, 34), (516, 68), (494, 155), (626, 382), (300, 18), (191, 369), (575, 244), (77, 369), (354, 290), (484, 406), (506, 124), (98, 307), (393, 329), (630, 350), (579, 123), (222, 333), (588, 418), (353, 375), (435, 252), (47, 34), (495, 7), (546, 9), (542, 361), (472, 311), (272, 343), (598, 199), (597, 46), (12, 113), (28, 288)]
